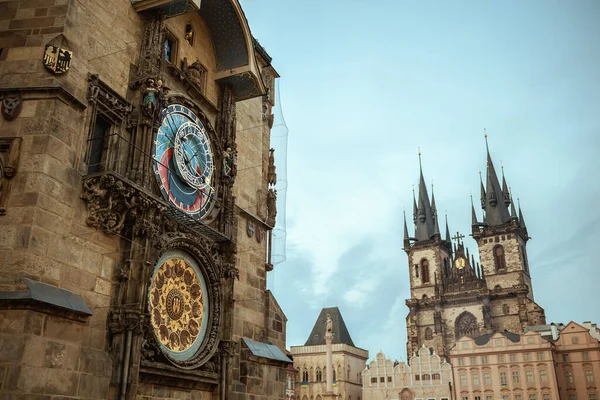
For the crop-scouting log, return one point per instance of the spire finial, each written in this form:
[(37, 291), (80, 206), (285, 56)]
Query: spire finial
[(420, 166)]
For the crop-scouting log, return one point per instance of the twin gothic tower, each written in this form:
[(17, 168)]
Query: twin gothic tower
[(452, 295)]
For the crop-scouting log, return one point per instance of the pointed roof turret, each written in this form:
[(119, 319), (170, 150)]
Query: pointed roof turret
[(483, 202), (513, 212), (406, 237), (436, 230), (505, 191), (414, 206), (340, 332), (447, 230), (495, 207), (521, 219), (425, 216), (474, 221)]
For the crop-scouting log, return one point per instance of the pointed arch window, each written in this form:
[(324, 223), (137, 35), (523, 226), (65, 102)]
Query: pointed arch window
[(425, 270), (334, 374), (466, 325), (499, 257), (318, 375), (428, 334), (305, 376)]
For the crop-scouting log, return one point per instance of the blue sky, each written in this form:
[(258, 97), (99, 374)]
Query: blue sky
[(365, 83)]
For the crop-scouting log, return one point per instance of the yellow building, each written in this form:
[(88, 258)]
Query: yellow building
[(310, 361)]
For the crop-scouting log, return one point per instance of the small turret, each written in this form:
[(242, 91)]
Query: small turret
[(406, 237)]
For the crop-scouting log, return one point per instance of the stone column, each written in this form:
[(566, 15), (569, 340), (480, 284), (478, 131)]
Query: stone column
[(328, 338)]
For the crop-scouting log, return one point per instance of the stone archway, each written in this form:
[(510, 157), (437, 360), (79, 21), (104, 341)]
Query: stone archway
[(406, 394)]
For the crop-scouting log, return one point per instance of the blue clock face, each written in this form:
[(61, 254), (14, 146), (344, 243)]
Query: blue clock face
[(184, 162)]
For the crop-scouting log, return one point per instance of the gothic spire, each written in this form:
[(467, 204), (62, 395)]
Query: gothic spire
[(425, 216), (473, 215), (434, 214), (521, 220), (447, 230), (505, 191), (495, 206), (482, 191), (406, 237), (513, 212), (414, 207)]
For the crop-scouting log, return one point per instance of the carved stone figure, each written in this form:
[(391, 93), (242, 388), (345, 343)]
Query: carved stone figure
[(272, 174), (194, 72), (329, 327), (271, 207), (227, 162)]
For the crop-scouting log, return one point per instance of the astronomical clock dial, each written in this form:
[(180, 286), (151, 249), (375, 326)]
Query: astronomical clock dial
[(184, 162), (178, 305), (460, 263)]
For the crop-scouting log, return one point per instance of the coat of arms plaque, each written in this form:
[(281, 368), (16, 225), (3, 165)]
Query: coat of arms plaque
[(57, 60)]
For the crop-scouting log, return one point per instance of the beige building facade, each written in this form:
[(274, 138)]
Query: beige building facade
[(505, 366), (348, 361), (137, 199), (452, 295), (427, 376), (577, 360)]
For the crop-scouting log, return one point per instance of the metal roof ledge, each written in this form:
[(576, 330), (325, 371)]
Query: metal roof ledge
[(48, 299)]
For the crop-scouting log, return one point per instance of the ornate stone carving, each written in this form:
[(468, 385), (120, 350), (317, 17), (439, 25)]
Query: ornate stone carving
[(11, 105), (195, 73), (10, 150), (466, 325), (57, 60), (151, 55), (437, 321), (100, 93)]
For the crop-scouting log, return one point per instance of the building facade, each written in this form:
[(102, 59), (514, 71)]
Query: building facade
[(453, 296), (426, 376), (310, 361), (505, 366), (136, 200), (577, 360)]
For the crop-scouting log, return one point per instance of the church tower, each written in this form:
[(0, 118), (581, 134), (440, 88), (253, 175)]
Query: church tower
[(452, 295)]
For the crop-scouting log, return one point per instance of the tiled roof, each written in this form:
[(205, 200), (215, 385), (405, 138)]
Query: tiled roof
[(340, 332)]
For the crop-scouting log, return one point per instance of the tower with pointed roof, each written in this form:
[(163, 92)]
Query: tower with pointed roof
[(453, 295)]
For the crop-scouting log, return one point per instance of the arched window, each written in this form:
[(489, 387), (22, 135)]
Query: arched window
[(334, 374), (466, 325), (425, 297), (416, 271), (318, 375), (499, 258), (425, 270), (428, 334), (305, 375)]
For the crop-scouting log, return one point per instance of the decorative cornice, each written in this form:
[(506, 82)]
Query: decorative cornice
[(43, 92)]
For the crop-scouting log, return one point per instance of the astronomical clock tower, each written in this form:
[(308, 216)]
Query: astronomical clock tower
[(452, 294), (137, 200)]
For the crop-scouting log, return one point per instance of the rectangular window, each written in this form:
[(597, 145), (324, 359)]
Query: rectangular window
[(498, 342), (373, 380), (513, 358), (503, 380), (463, 380), (389, 378), (505, 397), (569, 377), (532, 396), (586, 356), (477, 397), (530, 340), (592, 396), (518, 397), (589, 375), (484, 360), (382, 379), (487, 378), (516, 377), (436, 377), (464, 398), (500, 358), (170, 48), (543, 375), (546, 396), (417, 377), (465, 345), (102, 130), (540, 356), (526, 356), (530, 378), (461, 361), (565, 357), (475, 378), (488, 397), (575, 340), (572, 397), (473, 360)]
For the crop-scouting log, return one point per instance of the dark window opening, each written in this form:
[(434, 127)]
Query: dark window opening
[(101, 132)]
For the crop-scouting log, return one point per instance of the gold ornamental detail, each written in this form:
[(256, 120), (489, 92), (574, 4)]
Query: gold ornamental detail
[(176, 304)]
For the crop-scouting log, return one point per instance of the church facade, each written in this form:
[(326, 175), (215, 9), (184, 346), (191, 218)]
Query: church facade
[(137, 201), (452, 295)]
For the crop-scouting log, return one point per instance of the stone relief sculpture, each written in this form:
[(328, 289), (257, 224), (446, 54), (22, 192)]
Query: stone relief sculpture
[(271, 207), (272, 174), (194, 72), (329, 327)]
